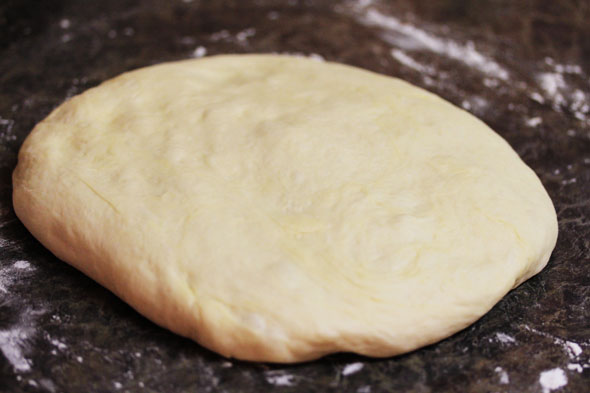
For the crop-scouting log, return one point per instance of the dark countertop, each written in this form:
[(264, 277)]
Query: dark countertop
[(523, 67)]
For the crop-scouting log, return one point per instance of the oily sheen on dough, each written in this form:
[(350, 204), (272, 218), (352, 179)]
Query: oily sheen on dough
[(275, 208)]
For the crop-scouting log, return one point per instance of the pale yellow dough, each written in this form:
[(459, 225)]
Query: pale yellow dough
[(279, 209)]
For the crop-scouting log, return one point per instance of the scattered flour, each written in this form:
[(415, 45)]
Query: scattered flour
[(504, 379), (7, 134), (58, 344), (352, 368), (9, 274), (241, 37), (412, 38), (65, 23), (406, 60), (475, 104), (67, 37), (537, 97), (574, 350), (280, 378), (245, 34), (12, 342), (575, 367), (561, 95), (504, 338), (534, 121), (552, 83), (48, 385), (552, 379), (200, 51), (564, 68), (220, 35), (22, 265), (312, 56)]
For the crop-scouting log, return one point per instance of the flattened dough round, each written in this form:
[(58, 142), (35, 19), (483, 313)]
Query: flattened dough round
[(279, 209)]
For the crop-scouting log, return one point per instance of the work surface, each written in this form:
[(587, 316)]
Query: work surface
[(523, 69)]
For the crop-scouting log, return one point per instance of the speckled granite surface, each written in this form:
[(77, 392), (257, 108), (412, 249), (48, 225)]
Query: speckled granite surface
[(523, 67)]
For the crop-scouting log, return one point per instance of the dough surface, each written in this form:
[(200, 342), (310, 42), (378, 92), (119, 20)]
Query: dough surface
[(280, 209)]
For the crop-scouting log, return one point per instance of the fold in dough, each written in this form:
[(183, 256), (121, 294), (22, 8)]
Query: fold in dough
[(280, 209)]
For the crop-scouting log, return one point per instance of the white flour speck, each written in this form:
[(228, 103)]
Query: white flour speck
[(10, 274), (551, 83), (569, 181), (117, 385), (352, 368), (564, 68), (79, 359), (552, 379), (364, 389), (491, 82), (47, 384), (22, 265), (312, 56), (561, 94), (534, 121), (571, 133), (64, 23), (11, 345), (504, 338), (409, 62), (503, 375), (7, 133), (575, 367), (316, 57), (200, 51), (537, 97), (220, 35), (280, 378), (573, 349), (245, 34), (579, 105), (14, 340), (58, 344)]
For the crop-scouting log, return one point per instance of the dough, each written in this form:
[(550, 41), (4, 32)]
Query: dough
[(280, 209)]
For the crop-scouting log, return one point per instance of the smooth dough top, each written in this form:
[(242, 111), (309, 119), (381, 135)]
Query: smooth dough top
[(279, 209)]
